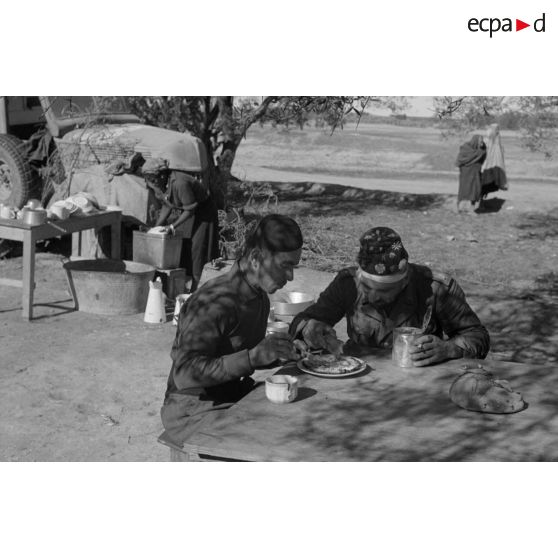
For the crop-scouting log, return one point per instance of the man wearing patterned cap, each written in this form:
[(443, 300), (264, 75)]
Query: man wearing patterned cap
[(385, 291)]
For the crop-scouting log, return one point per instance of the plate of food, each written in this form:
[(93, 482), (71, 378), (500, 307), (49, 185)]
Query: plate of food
[(330, 366)]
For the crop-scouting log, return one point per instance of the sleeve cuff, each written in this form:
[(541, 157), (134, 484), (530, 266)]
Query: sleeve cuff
[(238, 364), (468, 351), (296, 329)]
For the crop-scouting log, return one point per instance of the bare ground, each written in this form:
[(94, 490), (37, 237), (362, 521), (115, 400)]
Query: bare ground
[(77, 386)]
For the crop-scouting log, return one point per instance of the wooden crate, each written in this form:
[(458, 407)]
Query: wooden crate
[(173, 281)]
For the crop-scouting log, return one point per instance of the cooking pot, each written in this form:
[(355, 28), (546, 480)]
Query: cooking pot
[(287, 303), (33, 216)]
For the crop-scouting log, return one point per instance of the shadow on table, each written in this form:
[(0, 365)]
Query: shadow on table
[(305, 393), (410, 421)]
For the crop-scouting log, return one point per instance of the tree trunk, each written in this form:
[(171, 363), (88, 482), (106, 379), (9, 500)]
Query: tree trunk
[(225, 160)]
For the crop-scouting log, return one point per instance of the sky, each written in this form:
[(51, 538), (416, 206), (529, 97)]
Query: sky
[(419, 106)]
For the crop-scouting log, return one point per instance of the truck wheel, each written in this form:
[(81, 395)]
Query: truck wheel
[(16, 175)]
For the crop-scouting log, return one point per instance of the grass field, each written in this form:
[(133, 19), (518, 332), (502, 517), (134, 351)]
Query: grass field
[(374, 150)]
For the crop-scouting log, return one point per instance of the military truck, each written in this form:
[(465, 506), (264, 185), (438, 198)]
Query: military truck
[(44, 140)]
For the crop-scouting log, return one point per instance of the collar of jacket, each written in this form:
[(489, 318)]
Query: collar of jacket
[(245, 289), (405, 306)]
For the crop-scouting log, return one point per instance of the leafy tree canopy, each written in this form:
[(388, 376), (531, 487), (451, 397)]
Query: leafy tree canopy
[(535, 117), (222, 122)]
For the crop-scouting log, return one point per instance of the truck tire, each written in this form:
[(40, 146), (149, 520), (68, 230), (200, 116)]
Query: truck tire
[(16, 175)]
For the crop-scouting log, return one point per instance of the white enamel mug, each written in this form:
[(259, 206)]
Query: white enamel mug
[(281, 388)]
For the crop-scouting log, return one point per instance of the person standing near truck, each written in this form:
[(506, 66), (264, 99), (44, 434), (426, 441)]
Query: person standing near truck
[(187, 210)]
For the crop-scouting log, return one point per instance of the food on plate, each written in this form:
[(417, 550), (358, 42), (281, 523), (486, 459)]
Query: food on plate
[(478, 390), (330, 364)]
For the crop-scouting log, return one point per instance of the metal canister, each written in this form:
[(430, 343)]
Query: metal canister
[(403, 339), (277, 327), (33, 216)]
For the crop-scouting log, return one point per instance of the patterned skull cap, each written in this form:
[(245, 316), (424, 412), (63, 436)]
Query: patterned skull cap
[(155, 165), (382, 252)]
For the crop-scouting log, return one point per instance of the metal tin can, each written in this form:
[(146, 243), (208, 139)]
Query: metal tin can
[(277, 327), (403, 339)]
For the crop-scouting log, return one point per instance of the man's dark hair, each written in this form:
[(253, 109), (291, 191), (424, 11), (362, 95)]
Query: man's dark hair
[(275, 233)]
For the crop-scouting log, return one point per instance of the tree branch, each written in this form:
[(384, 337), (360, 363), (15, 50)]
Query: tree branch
[(257, 114)]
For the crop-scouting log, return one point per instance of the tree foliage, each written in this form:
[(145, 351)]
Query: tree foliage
[(540, 124), (535, 117), (469, 112), (222, 122)]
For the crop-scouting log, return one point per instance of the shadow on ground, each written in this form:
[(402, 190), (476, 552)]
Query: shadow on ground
[(57, 245), (333, 199), (538, 225), (523, 325), (491, 205)]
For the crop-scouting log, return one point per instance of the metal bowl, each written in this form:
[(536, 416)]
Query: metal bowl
[(287, 303)]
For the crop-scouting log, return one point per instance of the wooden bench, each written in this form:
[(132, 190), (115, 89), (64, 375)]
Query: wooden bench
[(177, 453)]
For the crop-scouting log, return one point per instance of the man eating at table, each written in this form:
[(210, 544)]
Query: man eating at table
[(221, 336), (384, 292)]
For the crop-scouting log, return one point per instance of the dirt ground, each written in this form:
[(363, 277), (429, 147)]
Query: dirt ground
[(83, 387)]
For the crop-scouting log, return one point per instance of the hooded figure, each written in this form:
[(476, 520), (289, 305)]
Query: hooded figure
[(493, 172), (469, 160)]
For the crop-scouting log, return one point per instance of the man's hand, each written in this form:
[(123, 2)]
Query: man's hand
[(319, 335), (273, 347), (301, 348), (430, 349)]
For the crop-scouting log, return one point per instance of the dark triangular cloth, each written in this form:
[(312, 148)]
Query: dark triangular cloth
[(471, 153)]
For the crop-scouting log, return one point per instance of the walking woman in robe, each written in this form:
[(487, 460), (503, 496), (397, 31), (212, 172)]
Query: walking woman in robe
[(469, 160), (493, 172)]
